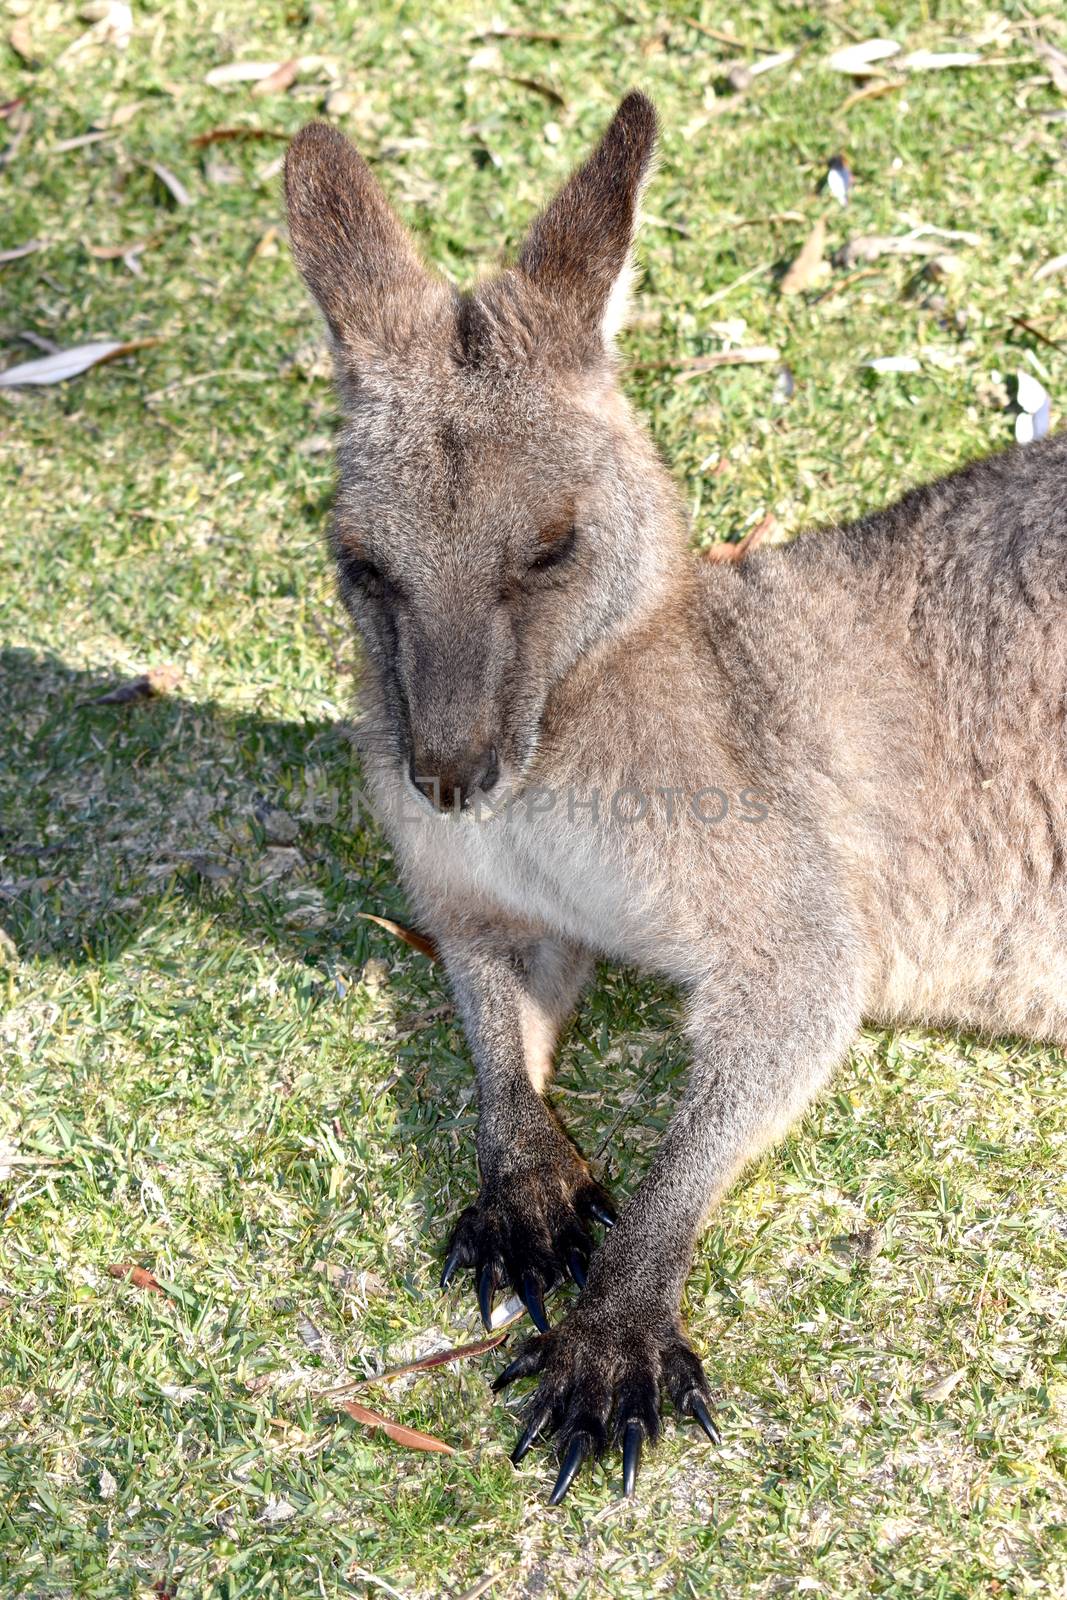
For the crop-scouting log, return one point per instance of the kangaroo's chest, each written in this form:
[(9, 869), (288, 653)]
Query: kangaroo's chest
[(537, 872)]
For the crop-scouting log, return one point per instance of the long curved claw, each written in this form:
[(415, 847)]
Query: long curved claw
[(452, 1261), (577, 1451), (631, 1456), (529, 1435), (576, 1266), (534, 1301), (524, 1365), (486, 1290), (697, 1407), (602, 1213)]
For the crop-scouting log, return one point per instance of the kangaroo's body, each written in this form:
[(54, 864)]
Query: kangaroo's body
[(823, 785)]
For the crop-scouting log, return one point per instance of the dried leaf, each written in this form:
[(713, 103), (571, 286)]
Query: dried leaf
[(242, 72), (935, 61), (857, 60), (70, 363), (756, 69), (174, 186), (410, 1438), (873, 246), (737, 552), (118, 252), (282, 78), (112, 24), (124, 114), (742, 74), (437, 1358), (808, 262), (157, 680), (80, 141), (20, 250), (752, 356), (955, 235), (944, 1386), (871, 91), (417, 941), (921, 241), (266, 245), (140, 1277), (21, 42), (9, 107), (38, 341), (228, 135), (1049, 270), (1055, 60), (488, 59), (893, 364)]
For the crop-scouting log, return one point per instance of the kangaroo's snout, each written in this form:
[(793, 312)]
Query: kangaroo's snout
[(449, 781)]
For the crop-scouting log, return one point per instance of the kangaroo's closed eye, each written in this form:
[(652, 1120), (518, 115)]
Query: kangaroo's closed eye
[(556, 553)]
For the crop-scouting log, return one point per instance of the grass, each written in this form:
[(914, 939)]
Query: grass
[(210, 1066)]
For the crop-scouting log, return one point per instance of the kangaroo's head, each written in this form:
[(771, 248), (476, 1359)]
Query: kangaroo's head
[(500, 511)]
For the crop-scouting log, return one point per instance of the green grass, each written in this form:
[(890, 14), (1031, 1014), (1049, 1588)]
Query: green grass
[(209, 1065)]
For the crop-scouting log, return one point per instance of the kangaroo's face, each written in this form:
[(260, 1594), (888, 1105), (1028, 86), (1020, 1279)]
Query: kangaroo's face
[(496, 497)]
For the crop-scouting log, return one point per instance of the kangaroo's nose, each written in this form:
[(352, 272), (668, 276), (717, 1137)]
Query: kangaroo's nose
[(450, 782)]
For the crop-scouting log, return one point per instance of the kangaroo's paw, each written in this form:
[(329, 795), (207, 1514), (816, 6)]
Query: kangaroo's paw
[(602, 1381), (530, 1229)]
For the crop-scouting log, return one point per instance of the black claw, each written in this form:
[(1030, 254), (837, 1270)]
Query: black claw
[(577, 1451), (602, 1213), (576, 1264), (529, 1435), (526, 1363), (534, 1301), (631, 1456), (451, 1263), (486, 1290), (697, 1407)]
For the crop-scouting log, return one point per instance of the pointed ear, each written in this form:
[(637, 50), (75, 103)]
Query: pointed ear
[(578, 250), (354, 253)]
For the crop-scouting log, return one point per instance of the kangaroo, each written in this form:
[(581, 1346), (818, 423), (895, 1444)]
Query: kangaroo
[(560, 696)]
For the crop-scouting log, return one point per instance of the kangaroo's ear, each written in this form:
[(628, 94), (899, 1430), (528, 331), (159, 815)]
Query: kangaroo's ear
[(578, 252), (355, 255)]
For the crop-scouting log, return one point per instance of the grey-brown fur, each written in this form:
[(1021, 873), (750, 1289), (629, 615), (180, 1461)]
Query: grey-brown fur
[(891, 697)]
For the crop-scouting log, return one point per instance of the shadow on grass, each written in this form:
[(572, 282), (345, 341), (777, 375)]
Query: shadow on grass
[(150, 820), (109, 813)]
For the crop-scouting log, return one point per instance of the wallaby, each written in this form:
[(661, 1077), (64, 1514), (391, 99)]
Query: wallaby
[(825, 784)]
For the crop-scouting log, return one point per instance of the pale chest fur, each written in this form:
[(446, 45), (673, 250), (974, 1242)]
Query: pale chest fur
[(549, 873)]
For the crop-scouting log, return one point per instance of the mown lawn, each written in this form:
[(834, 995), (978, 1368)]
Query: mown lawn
[(211, 1067)]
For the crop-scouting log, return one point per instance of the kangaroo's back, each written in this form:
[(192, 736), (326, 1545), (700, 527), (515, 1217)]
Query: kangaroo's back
[(948, 669)]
